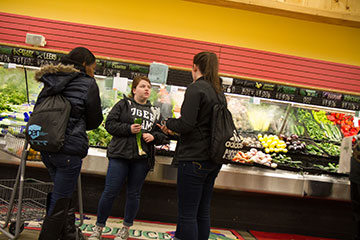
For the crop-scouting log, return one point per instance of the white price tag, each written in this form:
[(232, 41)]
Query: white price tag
[(356, 122), (120, 84), (255, 100)]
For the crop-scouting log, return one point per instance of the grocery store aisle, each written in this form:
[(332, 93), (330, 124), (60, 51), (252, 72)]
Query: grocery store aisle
[(140, 230), (28, 234), (235, 210)]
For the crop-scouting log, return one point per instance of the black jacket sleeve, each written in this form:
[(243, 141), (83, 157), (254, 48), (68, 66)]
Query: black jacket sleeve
[(189, 112), (113, 124), (93, 112)]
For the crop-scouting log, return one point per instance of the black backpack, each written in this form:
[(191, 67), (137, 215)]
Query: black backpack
[(47, 125), (225, 141)]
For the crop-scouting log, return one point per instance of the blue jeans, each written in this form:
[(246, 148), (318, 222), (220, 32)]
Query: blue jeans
[(118, 171), (64, 171), (195, 183)]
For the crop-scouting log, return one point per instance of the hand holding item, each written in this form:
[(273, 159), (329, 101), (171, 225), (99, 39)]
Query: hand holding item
[(135, 128), (165, 130), (148, 137)]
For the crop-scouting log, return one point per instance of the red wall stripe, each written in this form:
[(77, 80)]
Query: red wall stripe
[(146, 47)]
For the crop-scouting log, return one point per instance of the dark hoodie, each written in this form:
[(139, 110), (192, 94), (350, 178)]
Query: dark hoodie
[(118, 123), (83, 94)]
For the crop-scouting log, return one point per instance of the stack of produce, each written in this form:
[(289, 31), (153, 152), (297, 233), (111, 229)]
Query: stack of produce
[(251, 142), (292, 142), (331, 167), (33, 155), (285, 160), (312, 127), (330, 148), (345, 122), (254, 156), (99, 137), (314, 150), (272, 143), (239, 113), (261, 116), (332, 132)]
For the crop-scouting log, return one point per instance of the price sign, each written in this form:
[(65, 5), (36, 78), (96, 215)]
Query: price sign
[(255, 100)]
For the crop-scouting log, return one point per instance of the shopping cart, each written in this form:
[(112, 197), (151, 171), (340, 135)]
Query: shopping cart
[(23, 200)]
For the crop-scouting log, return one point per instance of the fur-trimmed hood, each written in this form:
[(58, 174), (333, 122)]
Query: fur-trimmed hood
[(56, 77), (53, 69)]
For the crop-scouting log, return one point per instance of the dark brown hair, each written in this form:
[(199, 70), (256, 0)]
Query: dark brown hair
[(78, 56), (136, 82), (208, 64)]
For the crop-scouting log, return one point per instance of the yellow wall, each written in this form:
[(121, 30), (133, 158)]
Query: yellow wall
[(204, 22)]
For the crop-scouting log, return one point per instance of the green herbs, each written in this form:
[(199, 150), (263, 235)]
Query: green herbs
[(10, 96), (99, 137)]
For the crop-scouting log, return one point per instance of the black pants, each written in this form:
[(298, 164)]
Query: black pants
[(355, 200)]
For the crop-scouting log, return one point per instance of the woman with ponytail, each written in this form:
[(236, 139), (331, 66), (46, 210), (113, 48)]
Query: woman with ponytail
[(196, 172)]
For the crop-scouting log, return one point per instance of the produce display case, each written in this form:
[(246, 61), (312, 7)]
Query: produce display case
[(289, 148)]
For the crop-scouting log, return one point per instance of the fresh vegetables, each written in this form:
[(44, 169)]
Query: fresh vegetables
[(285, 160), (320, 117), (254, 156), (330, 148), (261, 116), (293, 142), (272, 143), (332, 132), (312, 127), (298, 130), (251, 142), (99, 137), (138, 137), (331, 167), (346, 123), (9, 96), (314, 150)]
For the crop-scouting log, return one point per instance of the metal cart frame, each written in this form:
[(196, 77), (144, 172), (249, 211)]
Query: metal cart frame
[(18, 190)]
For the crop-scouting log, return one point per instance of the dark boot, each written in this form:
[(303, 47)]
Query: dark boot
[(53, 224), (70, 231)]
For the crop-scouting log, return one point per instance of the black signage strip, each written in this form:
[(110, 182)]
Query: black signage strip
[(294, 94), (38, 58)]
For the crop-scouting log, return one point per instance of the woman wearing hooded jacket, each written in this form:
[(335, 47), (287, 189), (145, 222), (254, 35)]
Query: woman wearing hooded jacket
[(126, 160), (74, 79), (196, 172)]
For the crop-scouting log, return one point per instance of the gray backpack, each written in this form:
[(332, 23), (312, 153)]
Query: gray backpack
[(47, 125)]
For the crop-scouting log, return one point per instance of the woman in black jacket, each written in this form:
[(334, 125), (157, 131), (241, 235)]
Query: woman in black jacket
[(126, 160), (196, 172), (74, 79)]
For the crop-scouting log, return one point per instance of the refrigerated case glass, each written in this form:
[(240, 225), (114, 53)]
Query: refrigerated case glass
[(319, 129)]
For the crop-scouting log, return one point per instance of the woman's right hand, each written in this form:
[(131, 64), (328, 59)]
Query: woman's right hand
[(135, 128), (165, 130)]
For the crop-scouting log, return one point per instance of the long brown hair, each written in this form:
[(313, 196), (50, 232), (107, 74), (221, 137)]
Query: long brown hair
[(136, 82), (208, 64)]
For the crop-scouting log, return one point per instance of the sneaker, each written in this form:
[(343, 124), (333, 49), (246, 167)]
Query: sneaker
[(123, 234), (96, 235)]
